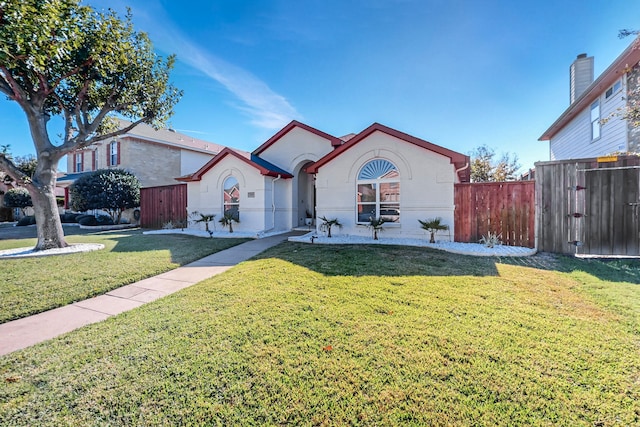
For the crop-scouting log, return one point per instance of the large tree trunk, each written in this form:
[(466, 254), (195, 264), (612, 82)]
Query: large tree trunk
[(42, 190)]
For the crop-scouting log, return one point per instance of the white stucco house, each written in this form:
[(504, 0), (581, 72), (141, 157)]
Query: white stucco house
[(300, 171), (593, 124)]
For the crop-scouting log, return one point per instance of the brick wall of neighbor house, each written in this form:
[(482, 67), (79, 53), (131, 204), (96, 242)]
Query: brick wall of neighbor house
[(633, 98), (153, 164)]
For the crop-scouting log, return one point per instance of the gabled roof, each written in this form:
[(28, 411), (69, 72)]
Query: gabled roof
[(169, 137), (262, 165), (294, 124), (628, 58), (458, 159)]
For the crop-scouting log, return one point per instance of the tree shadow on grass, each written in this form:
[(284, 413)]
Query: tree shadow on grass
[(183, 248), (381, 260), (611, 270)]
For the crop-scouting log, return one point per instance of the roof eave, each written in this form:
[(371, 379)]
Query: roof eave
[(629, 58), (288, 128)]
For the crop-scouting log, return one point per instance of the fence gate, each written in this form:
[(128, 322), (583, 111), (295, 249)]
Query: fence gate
[(159, 205), (605, 220)]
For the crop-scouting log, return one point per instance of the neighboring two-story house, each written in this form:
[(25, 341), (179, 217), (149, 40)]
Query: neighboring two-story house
[(154, 156), (593, 125)]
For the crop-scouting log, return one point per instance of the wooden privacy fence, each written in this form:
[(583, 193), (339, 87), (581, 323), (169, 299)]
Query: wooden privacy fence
[(505, 208), (589, 206), (159, 205)]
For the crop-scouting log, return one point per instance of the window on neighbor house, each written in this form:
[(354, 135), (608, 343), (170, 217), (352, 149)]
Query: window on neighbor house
[(378, 192), (94, 160), (113, 153), (613, 89), (231, 194), (78, 162), (595, 120)]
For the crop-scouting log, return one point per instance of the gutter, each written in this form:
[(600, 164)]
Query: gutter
[(273, 203)]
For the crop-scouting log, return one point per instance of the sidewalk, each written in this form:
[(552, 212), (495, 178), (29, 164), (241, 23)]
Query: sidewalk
[(28, 331)]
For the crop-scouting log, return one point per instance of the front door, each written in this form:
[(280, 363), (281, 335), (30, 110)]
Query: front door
[(306, 199)]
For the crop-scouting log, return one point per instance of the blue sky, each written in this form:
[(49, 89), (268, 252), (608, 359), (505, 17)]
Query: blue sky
[(458, 73)]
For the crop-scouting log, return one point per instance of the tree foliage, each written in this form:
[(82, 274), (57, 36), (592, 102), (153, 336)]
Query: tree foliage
[(26, 164), (632, 112), (17, 198), (484, 167), (113, 190), (61, 58)]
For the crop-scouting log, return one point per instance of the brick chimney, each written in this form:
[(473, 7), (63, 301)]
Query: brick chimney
[(580, 76)]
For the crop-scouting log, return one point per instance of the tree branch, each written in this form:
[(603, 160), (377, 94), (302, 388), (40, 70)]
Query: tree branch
[(14, 91), (10, 169), (71, 72)]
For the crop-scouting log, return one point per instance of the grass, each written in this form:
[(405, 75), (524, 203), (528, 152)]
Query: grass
[(34, 285), (335, 335)]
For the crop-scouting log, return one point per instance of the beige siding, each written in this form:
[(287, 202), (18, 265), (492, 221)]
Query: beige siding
[(206, 196), (426, 186), (308, 146)]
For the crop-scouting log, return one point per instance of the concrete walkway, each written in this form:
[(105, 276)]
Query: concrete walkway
[(28, 331)]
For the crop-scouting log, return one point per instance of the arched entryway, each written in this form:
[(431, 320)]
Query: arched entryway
[(306, 200)]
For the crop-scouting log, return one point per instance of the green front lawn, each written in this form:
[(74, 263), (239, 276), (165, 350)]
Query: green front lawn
[(337, 335), (33, 285)]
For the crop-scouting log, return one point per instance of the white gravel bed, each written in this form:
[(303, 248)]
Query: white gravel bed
[(29, 252), (475, 249), (219, 234)]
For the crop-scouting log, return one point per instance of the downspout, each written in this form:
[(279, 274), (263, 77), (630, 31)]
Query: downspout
[(273, 200), (461, 169), (273, 205)]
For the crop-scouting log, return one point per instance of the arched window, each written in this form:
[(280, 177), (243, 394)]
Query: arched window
[(231, 195), (378, 191)]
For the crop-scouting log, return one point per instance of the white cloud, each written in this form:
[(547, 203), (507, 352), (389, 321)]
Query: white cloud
[(266, 108)]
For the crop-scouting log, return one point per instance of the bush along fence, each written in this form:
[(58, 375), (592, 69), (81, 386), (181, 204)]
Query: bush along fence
[(504, 209)]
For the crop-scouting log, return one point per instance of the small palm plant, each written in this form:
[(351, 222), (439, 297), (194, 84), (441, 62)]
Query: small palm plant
[(206, 218), (228, 219), (328, 223), (375, 224), (432, 226)]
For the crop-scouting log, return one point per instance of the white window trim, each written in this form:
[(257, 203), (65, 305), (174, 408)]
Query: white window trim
[(225, 204), (113, 153), (613, 89), (595, 121), (378, 202)]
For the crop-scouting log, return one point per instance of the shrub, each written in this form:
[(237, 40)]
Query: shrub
[(92, 221), (113, 190), (89, 220), (433, 225), (17, 198), (6, 214), (69, 218), (26, 220), (80, 216), (104, 220)]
